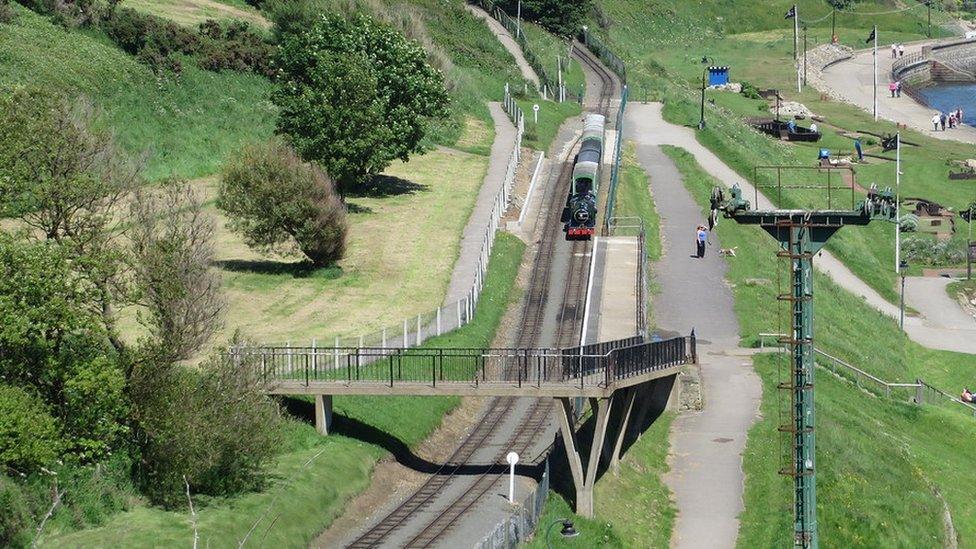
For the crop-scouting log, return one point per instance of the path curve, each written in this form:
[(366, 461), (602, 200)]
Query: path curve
[(853, 80), (705, 460), (943, 324), (656, 131), (506, 39)]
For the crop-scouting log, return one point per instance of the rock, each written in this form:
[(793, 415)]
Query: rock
[(734, 87), (971, 163), (792, 109)]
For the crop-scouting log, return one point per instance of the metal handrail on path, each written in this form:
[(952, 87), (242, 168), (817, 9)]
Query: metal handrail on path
[(920, 386)]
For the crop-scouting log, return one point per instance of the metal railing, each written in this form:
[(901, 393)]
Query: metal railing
[(598, 364), (519, 525), (606, 55), (920, 392), (615, 168)]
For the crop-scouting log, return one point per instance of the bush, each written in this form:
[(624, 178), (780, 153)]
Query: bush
[(563, 17), (274, 198), (214, 427), (29, 437), (932, 251), (6, 16), (15, 515), (233, 46)]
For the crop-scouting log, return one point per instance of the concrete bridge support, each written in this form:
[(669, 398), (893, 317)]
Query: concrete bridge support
[(323, 414)]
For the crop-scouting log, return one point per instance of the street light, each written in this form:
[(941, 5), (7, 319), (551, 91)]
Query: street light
[(701, 121), (902, 267), (567, 531)]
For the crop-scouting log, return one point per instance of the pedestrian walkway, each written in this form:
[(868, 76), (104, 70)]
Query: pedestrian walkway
[(654, 130), (466, 266), (614, 288), (507, 41), (706, 474), (853, 80), (943, 323)]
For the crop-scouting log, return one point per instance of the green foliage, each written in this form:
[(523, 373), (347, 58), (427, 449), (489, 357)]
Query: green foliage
[(214, 429), (933, 251), (6, 12), (355, 95), (15, 517), (273, 198), (29, 436), (564, 17)]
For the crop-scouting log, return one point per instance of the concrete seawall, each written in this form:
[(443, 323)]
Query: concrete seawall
[(953, 61)]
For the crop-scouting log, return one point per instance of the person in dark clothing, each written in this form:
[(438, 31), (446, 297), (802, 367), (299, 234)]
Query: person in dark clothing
[(701, 235), (942, 120)]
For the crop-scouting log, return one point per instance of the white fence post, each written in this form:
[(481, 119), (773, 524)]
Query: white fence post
[(360, 341), (438, 321), (459, 313), (335, 353), (288, 346), (406, 342), (384, 338), (418, 329)]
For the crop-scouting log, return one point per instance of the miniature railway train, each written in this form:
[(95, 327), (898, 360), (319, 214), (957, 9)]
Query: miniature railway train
[(579, 215)]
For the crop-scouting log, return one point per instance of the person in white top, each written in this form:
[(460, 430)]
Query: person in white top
[(894, 51), (901, 50), (936, 118)]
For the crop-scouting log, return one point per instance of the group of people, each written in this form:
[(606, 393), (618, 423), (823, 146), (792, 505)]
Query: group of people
[(941, 119), (897, 50), (895, 88), (968, 396)]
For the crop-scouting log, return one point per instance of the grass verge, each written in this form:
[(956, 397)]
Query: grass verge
[(315, 476), (539, 135), (634, 199), (882, 463)]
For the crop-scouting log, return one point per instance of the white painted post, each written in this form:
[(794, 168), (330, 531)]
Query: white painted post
[(438, 321), (384, 338), (288, 346), (418, 329), (406, 342), (512, 458), (459, 313), (335, 353), (360, 341)]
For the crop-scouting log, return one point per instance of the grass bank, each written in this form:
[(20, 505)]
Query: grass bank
[(315, 476), (881, 462), (634, 199)]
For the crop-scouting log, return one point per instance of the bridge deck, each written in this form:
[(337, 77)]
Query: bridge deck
[(612, 310), (592, 386)]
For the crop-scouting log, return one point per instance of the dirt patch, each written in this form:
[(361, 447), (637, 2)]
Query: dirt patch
[(393, 482)]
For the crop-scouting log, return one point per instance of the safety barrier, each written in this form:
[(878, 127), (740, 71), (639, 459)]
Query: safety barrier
[(595, 365), (615, 168), (518, 526), (920, 392)]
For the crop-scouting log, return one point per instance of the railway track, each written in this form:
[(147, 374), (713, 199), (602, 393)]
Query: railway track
[(533, 320)]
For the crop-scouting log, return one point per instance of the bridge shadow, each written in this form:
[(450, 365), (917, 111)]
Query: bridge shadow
[(304, 410)]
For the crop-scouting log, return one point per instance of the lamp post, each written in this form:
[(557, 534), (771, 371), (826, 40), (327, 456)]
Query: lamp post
[(804, 55), (567, 531), (705, 60), (902, 267)]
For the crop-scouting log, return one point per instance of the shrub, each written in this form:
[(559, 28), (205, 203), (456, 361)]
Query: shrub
[(932, 251), (274, 198), (6, 16), (15, 515), (29, 436), (563, 17), (233, 46), (214, 427)]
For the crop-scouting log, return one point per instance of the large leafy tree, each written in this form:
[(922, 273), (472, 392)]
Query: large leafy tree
[(355, 94), (563, 17)]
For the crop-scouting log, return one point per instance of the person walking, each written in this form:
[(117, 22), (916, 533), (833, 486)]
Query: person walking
[(935, 122), (892, 86), (898, 88), (901, 50), (942, 120), (952, 120), (958, 115), (701, 235), (894, 51)]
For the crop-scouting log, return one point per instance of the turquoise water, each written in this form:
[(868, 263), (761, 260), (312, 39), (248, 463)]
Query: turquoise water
[(949, 97)]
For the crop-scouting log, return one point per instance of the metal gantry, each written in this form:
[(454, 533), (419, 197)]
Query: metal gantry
[(801, 234)]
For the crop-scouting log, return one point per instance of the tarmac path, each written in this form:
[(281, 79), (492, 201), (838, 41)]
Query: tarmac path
[(943, 323), (706, 473), (507, 41), (853, 80)]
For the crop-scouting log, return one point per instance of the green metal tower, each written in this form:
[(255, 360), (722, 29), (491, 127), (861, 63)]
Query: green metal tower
[(801, 234)]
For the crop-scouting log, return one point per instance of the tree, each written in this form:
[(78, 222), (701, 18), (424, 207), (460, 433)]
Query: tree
[(273, 198), (354, 95), (172, 249), (563, 17)]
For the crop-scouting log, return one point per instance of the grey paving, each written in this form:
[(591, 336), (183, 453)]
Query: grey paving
[(943, 323), (474, 232), (706, 474)]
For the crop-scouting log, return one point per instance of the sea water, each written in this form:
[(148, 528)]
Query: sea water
[(949, 97)]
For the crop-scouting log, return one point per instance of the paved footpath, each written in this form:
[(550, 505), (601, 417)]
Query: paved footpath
[(706, 474), (506, 40), (474, 232), (943, 324), (854, 81)]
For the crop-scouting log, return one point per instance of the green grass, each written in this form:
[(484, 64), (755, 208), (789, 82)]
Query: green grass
[(965, 287), (634, 199), (193, 12), (551, 117), (755, 40), (547, 48), (315, 476), (186, 126), (869, 448)]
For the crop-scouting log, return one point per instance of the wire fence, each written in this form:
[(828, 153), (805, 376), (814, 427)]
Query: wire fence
[(920, 392), (415, 330), (615, 168), (609, 58), (522, 522), (549, 85)]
